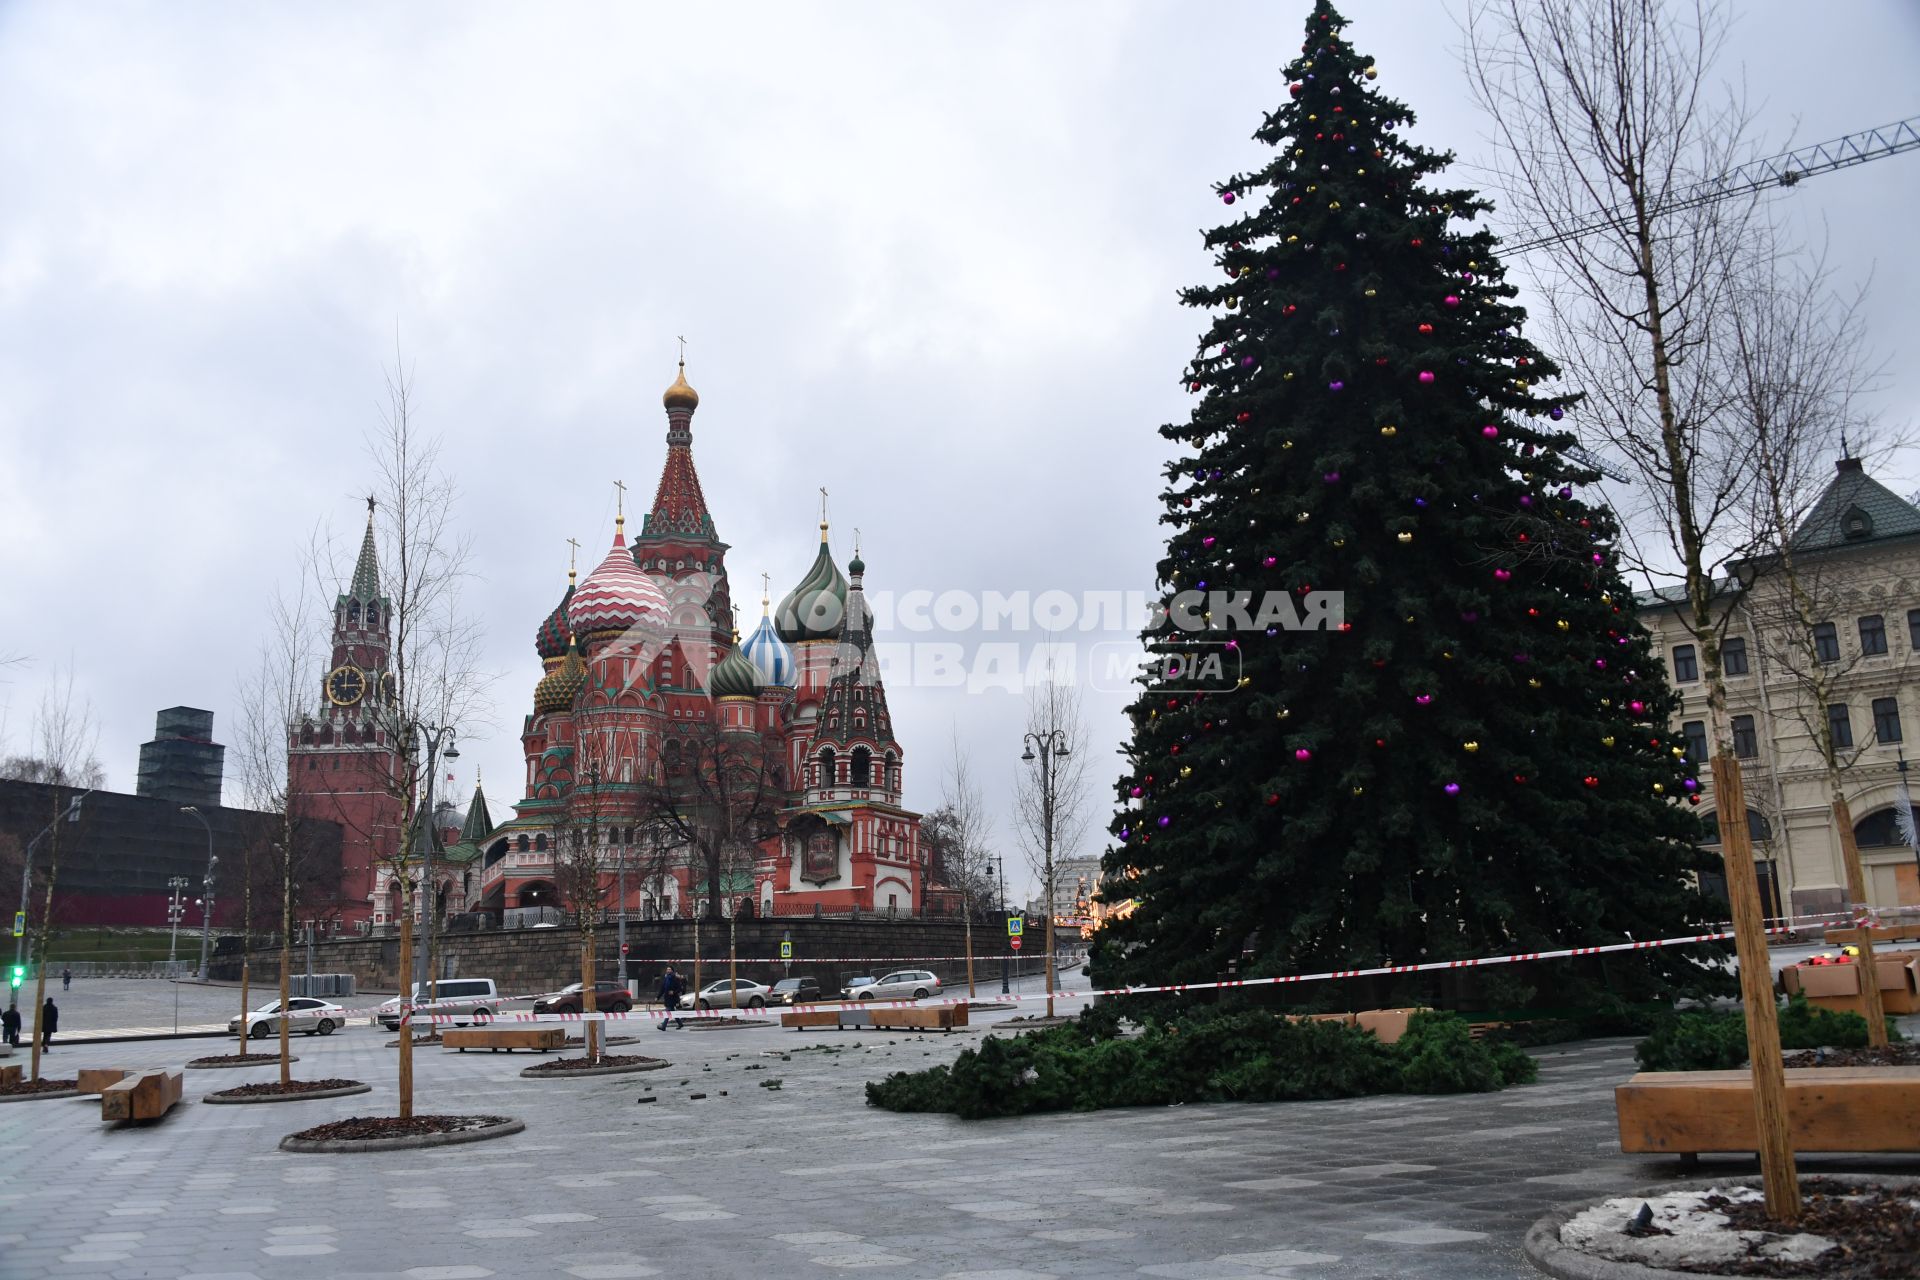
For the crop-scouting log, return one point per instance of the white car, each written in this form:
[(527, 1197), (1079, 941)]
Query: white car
[(314, 1017), (741, 993), (901, 984), (468, 999)]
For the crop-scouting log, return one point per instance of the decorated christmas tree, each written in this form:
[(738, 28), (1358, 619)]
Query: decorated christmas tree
[(1471, 758)]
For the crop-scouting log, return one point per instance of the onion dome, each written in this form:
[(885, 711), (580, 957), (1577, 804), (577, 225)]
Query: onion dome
[(814, 609), (560, 686), (733, 676), (680, 395), (550, 642), (616, 596), (769, 653)]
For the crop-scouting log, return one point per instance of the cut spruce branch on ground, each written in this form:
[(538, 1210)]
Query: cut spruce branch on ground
[(1203, 1055), (1889, 1055), (39, 1086)]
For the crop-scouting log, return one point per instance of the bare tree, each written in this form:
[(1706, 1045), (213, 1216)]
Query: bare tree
[(1799, 363), (1612, 130), (64, 735), (436, 681), (1050, 796), (959, 830), (580, 869), (272, 699)]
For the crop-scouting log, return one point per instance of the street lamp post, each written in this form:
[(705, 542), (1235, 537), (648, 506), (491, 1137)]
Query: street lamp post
[(620, 875), (206, 902), (1000, 864), (1052, 745), (175, 909), (423, 978)]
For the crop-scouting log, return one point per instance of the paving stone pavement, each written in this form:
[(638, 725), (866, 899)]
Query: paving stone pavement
[(802, 1181)]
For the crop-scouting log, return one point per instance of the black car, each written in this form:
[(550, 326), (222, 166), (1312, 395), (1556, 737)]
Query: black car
[(608, 997), (794, 991)]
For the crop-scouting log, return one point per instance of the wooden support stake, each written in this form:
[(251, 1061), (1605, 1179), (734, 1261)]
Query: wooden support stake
[(1756, 993), (1871, 1005)]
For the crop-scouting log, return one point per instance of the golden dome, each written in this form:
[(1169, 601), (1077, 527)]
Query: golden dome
[(680, 395)]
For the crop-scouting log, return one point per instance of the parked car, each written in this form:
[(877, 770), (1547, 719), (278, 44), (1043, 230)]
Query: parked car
[(900, 985), (728, 993), (794, 991), (314, 1017), (853, 986), (608, 997), (466, 998)]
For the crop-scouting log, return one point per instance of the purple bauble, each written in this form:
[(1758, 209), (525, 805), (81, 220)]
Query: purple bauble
[(1336, 386), (1166, 822), (1556, 413), (1453, 788), (1226, 197)]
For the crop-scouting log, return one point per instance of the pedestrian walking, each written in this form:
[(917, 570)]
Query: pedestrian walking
[(66, 979), (49, 1023), (669, 996), (10, 1024)]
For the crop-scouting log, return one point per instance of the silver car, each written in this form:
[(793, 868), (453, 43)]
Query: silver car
[(739, 993), (901, 984)]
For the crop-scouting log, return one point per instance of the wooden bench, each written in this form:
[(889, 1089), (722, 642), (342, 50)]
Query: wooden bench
[(538, 1039), (800, 1018), (10, 1074), (939, 1017), (1828, 1109), (147, 1096), (96, 1079)]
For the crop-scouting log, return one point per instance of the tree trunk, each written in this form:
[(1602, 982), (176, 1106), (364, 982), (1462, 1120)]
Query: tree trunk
[(966, 909), (406, 1001), (590, 1043), (246, 918), (286, 959), (40, 978), (1870, 1003)]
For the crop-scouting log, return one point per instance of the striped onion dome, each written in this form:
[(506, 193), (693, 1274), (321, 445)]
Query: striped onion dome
[(814, 609), (616, 596), (560, 686), (769, 653), (550, 642), (734, 677)]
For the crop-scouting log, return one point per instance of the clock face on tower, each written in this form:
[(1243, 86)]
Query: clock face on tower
[(345, 686)]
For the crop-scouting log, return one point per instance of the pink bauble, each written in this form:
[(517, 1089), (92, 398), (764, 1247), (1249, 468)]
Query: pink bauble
[(1302, 754), (1452, 299), (1490, 431), (1426, 376)]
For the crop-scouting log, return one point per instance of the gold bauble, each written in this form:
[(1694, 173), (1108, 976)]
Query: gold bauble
[(1562, 625), (1371, 292), (1659, 788), (1403, 537), (1469, 747), (1607, 741), (1186, 771), (1533, 682), (1389, 431), (1282, 714)]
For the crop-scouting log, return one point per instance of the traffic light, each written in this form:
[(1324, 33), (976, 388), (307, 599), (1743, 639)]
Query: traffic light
[(16, 976)]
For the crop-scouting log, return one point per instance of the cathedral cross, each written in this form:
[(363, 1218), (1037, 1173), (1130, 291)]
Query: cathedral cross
[(823, 504), (620, 500), (573, 550)]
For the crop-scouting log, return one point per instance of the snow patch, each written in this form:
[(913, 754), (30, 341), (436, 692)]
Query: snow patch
[(1695, 1233)]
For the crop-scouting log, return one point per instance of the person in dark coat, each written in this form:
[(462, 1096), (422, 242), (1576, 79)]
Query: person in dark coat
[(10, 1024), (669, 995), (49, 1023)]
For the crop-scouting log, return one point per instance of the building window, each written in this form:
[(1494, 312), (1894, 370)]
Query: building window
[(540, 843), (1886, 719), (1913, 628), (1873, 634), (1686, 667), (1745, 745), (1840, 725), (1696, 735), (1826, 642), (1733, 656), (862, 767)]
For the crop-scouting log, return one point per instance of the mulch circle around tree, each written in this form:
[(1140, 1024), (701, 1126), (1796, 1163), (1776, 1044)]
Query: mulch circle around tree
[(28, 1090), (608, 1065), (1892, 1055), (575, 1042), (1852, 1227), (216, 1060), (292, 1091), (391, 1133)]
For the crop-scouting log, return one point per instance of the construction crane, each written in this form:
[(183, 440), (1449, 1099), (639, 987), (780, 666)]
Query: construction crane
[(1786, 170)]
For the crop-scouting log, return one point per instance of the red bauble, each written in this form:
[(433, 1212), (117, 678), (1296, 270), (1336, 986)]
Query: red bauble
[(1520, 778), (1273, 799), (1426, 328), (1591, 781)]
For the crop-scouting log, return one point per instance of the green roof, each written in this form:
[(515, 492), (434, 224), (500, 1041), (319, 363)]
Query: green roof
[(366, 573), (479, 823), (1855, 508)]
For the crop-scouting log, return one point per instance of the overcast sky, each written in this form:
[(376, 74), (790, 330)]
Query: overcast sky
[(923, 255)]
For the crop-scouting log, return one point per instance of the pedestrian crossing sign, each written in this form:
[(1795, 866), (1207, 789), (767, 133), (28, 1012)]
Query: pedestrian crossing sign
[(1016, 925), (786, 951)]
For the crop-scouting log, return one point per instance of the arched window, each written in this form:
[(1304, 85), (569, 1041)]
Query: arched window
[(862, 767), (540, 843), (1880, 830), (373, 616), (353, 615), (523, 842), (827, 778), (892, 778)]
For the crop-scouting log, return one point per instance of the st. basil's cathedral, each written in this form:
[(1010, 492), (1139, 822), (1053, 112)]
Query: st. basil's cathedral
[(645, 678)]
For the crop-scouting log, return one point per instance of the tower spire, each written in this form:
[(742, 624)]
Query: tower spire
[(366, 571)]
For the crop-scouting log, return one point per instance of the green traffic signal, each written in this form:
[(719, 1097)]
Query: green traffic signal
[(17, 976)]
